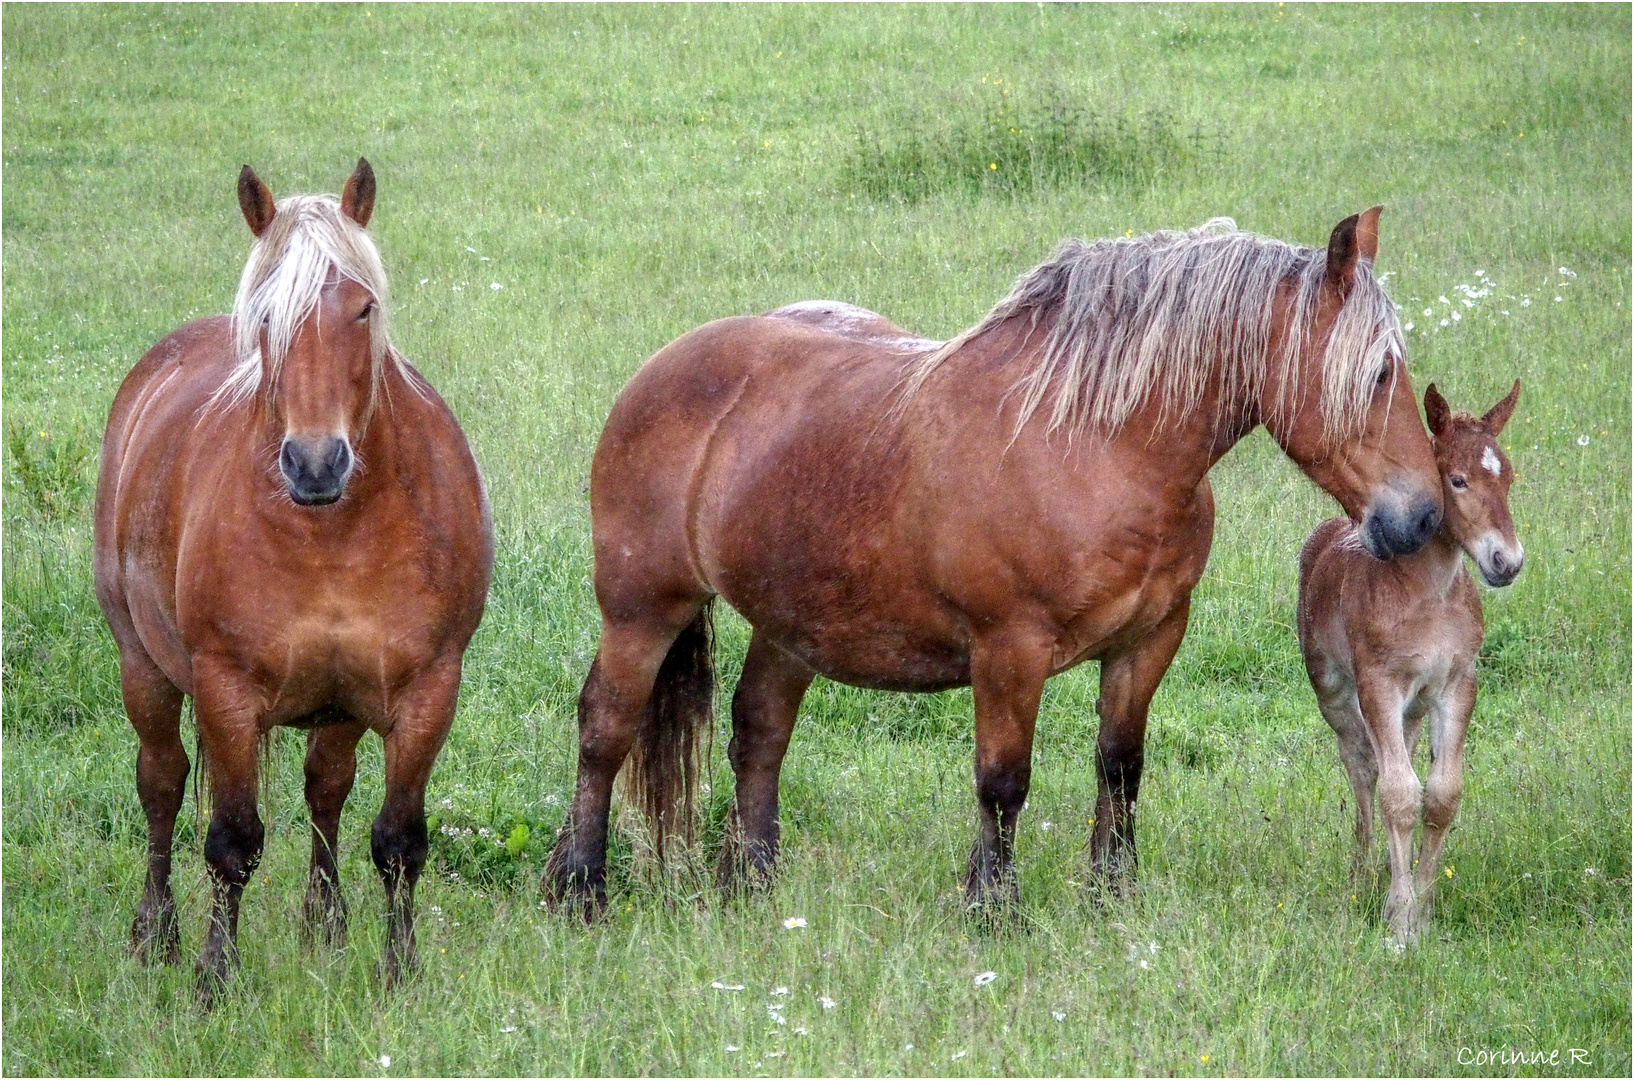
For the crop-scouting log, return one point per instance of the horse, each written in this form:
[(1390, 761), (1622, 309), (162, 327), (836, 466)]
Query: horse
[(898, 513), (1387, 644), (291, 530)]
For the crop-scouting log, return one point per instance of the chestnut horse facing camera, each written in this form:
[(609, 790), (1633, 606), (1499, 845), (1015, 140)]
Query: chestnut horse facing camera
[(1389, 644), (905, 514), (290, 529)]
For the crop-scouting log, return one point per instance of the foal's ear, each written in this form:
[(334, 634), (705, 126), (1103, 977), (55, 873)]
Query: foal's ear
[(255, 200), (1437, 413), (1499, 414), (357, 197), (1353, 239)]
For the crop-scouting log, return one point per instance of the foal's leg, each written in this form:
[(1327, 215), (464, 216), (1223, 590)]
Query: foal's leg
[(763, 713), (1007, 673), (331, 766), (154, 706), (420, 719), (1449, 720), (1344, 716), (229, 733), (611, 704), (1400, 799), (1128, 681)]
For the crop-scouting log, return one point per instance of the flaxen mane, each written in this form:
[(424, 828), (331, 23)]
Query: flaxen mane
[(308, 240), (1170, 314)]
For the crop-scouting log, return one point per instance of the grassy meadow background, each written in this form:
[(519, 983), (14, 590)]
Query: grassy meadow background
[(562, 191)]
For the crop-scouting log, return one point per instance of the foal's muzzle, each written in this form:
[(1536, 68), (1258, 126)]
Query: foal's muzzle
[(316, 470)]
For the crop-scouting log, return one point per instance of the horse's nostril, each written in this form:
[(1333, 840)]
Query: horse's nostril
[(1428, 521), (340, 456), (287, 461)]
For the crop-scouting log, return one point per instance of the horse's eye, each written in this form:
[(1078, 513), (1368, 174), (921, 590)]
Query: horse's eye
[(1457, 482), (1384, 376), (368, 309)]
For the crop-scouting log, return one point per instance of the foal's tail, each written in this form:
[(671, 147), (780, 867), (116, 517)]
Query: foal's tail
[(661, 775)]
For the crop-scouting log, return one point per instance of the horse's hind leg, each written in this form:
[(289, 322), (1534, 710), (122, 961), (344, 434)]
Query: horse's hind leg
[(763, 714), (611, 705), (1128, 681), (1007, 674), (154, 706), (331, 767), (398, 842), (1444, 789)]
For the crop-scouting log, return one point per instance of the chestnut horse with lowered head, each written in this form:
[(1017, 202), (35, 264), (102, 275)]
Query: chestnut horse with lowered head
[(905, 514), (1389, 644), (290, 529)]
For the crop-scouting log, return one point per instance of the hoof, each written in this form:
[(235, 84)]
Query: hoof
[(210, 981), (325, 923), (154, 936), (572, 894), (397, 967)]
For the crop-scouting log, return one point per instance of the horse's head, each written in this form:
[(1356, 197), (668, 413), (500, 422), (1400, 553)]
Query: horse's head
[(311, 327), (1477, 475), (1358, 435)]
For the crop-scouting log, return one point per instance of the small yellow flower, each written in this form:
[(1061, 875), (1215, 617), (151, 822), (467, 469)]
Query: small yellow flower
[(1448, 871), (992, 164), (1279, 903), (1204, 1059)]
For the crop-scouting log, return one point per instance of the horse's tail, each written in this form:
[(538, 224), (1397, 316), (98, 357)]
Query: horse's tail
[(661, 775)]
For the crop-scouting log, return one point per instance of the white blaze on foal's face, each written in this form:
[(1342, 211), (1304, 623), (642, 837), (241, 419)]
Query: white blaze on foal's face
[(1490, 462)]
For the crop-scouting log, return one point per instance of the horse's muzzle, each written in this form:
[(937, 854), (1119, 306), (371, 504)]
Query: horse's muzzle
[(1388, 531), (316, 470)]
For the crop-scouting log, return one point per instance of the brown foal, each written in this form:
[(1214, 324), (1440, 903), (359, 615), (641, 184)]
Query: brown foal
[(291, 529), (906, 514), (1389, 644)]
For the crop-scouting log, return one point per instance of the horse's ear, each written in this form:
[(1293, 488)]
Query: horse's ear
[(1437, 413), (1367, 233), (1342, 252), (357, 197), (255, 200), (1499, 414)]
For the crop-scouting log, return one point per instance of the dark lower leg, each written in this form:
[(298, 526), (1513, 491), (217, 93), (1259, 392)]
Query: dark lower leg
[(154, 707), (331, 767), (1007, 672), (763, 715), (1128, 681), (611, 706), (232, 851)]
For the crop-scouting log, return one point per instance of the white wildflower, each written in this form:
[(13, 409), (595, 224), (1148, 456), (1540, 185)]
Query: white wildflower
[(960, 1054), (826, 1002), (985, 977), (730, 1049), (797, 922), (385, 1061), (1059, 1016), (780, 991), (1582, 440), (496, 286), (718, 985)]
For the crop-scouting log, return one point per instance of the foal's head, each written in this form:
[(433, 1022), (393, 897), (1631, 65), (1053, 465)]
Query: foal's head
[(310, 329), (1477, 475), (1357, 433)]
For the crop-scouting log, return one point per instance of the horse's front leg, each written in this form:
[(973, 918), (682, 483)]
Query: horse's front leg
[(1007, 673), (420, 719), (1444, 788), (1128, 681), (229, 710), (331, 767), (763, 714), (154, 706), (1401, 798)]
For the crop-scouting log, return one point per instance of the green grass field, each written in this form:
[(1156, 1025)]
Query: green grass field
[(562, 191)]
